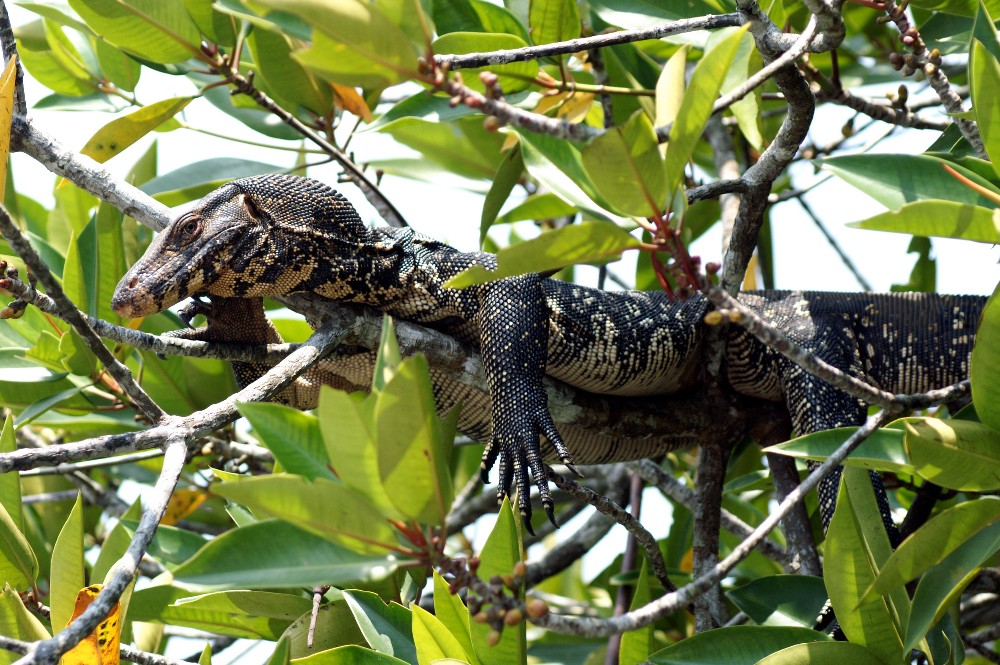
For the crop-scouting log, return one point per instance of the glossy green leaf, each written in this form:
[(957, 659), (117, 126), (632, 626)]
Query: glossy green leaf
[(936, 540), (636, 645), (514, 76), (747, 111), (883, 450), (10, 483), (823, 653), (273, 554), (984, 76), (293, 437), (538, 207), (171, 545), (18, 566), (350, 655), (348, 428), (734, 645), (385, 627), (985, 360), (159, 31), (781, 600), (958, 7), (68, 572), (558, 165), (452, 612), (627, 168), (942, 585), (214, 24), (354, 42), (499, 554), (120, 133), (696, 108), (896, 180), (579, 243), (476, 16), (670, 87), (939, 218), (47, 70), (16, 621), (553, 21), (226, 613), (857, 547), (285, 77), (957, 454), (432, 639), (331, 510), (646, 13), (507, 176), (449, 145), (414, 445), (117, 66), (194, 180)]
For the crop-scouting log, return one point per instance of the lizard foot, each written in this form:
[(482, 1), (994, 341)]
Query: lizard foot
[(516, 444)]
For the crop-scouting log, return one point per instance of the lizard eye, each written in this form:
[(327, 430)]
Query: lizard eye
[(189, 230), (251, 207)]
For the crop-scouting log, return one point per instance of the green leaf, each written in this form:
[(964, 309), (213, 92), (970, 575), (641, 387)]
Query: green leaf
[(823, 653), (385, 627), (171, 545), (627, 169), (214, 24), (553, 21), (636, 645), (10, 483), (939, 218), (350, 655), (151, 29), (18, 566), (450, 144), (883, 450), (499, 554), (670, 87), (984, 77), (16, 621), (957, 454), (120, 133), (934, 541), (747, 111), (942, 585), (46, 68), (579, 243), (273, 554), (451, 611), (781, 600), (856, 549), (194, 180), (68, 572), (508, 174), (331, 510), (558, 165), (413, 445), (896, 180), (347, 424), (476, 16), (736, 644), (117, 66), (354, 42), (285, 77), (985, 359), (115, 544), (696, 108), (538, 207), (293, 437), (433, 640), (514, 76)]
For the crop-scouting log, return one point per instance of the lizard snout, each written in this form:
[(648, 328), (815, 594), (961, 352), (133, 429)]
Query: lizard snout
[(131, 299)]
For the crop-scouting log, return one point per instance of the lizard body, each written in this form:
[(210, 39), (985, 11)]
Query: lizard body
[(274, 235)]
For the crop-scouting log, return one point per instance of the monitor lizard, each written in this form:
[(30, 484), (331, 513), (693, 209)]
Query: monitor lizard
[(273, 235)]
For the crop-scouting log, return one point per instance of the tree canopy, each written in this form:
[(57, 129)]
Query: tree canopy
[(143, 492)]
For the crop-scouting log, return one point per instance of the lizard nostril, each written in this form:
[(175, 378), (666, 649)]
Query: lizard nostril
[(132, 282)]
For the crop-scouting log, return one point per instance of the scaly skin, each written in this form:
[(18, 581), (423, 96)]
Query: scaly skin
[(274, 235)]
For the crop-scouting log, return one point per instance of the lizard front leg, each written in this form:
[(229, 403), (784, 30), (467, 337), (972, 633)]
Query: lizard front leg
[(513, 324)]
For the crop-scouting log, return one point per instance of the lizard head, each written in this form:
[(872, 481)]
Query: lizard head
[(249, 238)]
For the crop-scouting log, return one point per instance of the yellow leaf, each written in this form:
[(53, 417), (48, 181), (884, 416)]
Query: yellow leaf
[(7, 80), (182, 503), (102, 646), (120, 133), (348, 99)]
